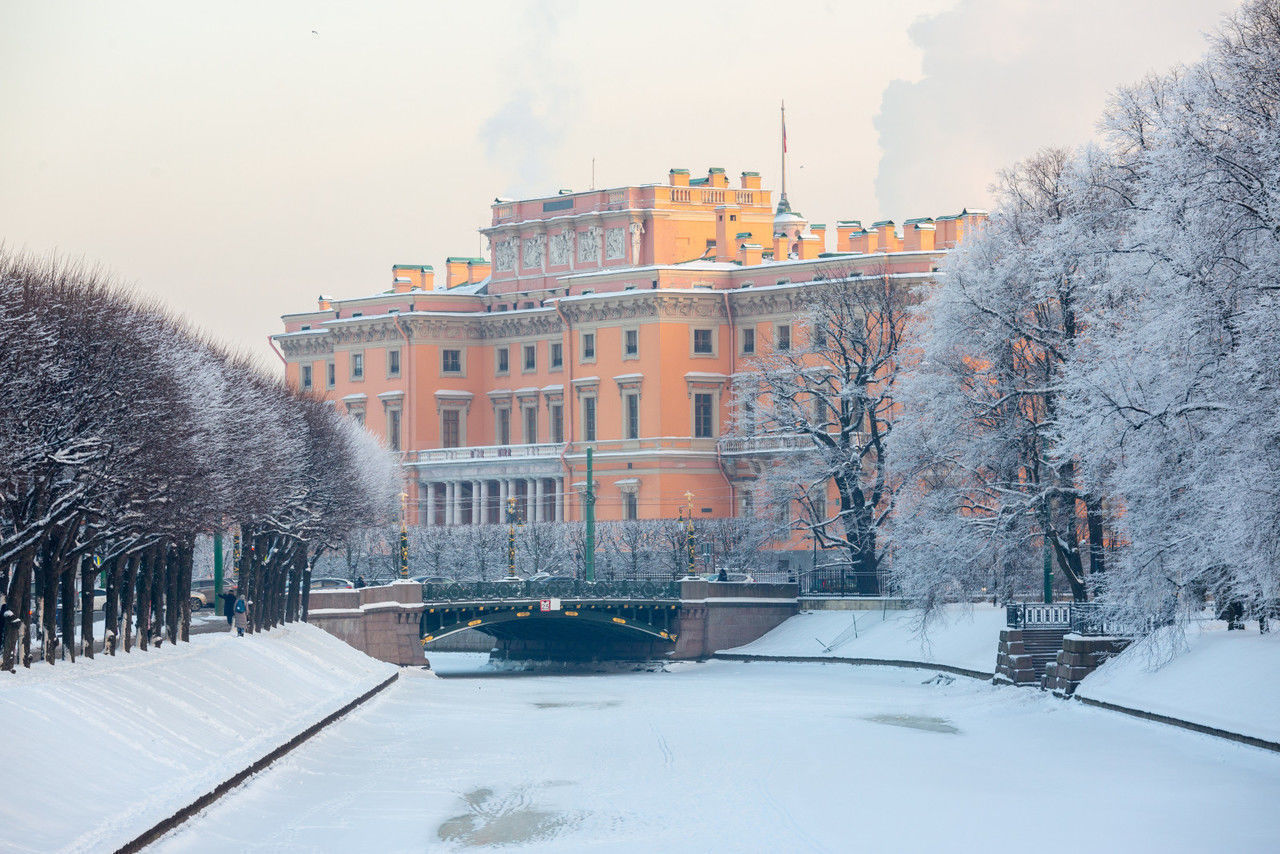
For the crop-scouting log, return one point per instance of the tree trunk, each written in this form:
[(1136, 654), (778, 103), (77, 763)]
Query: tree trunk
[(129, 598), (176, 597), (1097, 541), (67, 588), (88, 571), (146, 571), (17, 595), (158, 566), (111, 610), (186, 556)]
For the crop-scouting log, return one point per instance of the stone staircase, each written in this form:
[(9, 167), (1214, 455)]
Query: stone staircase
[(1024, 654)]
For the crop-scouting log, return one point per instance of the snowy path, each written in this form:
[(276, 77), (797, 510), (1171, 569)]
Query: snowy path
[(725, 756)]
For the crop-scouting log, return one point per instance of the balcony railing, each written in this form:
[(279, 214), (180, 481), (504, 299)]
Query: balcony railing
[(763, 444), (488, 452)]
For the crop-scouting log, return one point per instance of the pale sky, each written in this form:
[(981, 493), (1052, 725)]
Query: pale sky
[(237, 159)]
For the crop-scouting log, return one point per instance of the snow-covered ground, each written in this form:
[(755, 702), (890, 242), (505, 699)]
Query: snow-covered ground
[(106, 748), (964, 636), (1227, 680), (728, 756)]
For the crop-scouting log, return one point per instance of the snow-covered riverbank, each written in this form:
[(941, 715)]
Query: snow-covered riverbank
[(117, 744), (963, 636)]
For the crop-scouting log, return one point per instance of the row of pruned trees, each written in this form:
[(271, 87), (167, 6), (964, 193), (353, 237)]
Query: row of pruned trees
[(645, 548), (124, 435)]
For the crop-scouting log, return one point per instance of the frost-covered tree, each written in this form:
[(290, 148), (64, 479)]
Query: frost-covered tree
[(986, 488), (828, 406)]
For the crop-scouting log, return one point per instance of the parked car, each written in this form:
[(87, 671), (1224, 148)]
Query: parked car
[(99, 599), (331, 584), (198, 599), (204, 586), (432, 579)]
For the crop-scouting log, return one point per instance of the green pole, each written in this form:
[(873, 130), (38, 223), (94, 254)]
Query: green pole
[(589, 499), (217, 573)]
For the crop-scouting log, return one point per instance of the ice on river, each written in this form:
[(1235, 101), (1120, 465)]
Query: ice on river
[(726, 756)]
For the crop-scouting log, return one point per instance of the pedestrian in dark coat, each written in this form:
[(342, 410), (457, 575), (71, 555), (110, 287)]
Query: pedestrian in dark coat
[(359, 581), (229, 606)]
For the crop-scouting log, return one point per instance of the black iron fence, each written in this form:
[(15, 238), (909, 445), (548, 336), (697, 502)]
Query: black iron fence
[(553, 588)]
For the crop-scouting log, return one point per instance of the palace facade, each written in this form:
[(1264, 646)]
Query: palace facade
[(611, 319)]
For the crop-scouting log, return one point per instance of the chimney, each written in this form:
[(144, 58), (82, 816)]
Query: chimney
[(945, 231), (968, 222), (862, 240), (478, 269), (781, 250), (845, 229), (678, 177), (820, 231), (324, 303), (918, 235), (750, 180), (750, 254), (406, 277), (455, 272), (716, 177), (810, 247), (726, 248), (887, 236)]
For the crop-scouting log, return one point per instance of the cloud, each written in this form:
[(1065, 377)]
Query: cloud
[(1004, 78)]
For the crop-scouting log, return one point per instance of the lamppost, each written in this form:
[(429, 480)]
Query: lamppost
[(511, 537), (404, 536), (688, 532)]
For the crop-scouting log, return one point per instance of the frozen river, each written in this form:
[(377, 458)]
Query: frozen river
[(724, 756)]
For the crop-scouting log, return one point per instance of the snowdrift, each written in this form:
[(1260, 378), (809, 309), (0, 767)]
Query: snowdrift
[(1226, 680), (110, 747), (964, 636)]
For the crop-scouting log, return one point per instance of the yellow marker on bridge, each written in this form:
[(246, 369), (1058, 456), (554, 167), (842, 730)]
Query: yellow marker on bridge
[(474, 623), (620, 621), (571, 613)]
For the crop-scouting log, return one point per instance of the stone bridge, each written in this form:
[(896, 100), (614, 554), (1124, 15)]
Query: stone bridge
[(560, 620)]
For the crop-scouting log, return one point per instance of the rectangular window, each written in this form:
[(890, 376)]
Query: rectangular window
[(783, 338), (702, 412), (633, 416), (557, 354), (306, 377), (588, 346), (504, 360), (451, 361), (450, 429), (357, 366), (393, 429), (589, 419), (702, 342), (557, 423), (819, 335), (504, 426), (530, 425), (530, 357), (393, 363), (631, 342), (748, 341), (631, 505), (357, 414), (331, 375)]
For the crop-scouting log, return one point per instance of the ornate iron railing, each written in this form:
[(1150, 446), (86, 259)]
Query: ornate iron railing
[(558, 588), (1090, 619)]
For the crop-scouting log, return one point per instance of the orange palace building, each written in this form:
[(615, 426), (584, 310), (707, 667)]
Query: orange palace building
[(611, 319)]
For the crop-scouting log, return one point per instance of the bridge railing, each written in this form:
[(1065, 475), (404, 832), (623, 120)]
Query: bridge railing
[(560, 588)]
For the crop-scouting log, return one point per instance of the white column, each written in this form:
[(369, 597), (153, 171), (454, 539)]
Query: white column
[(450, 488), (457, 502), (559, 502), (537, 499), (477, 506), (431, 503), (484, 502)]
